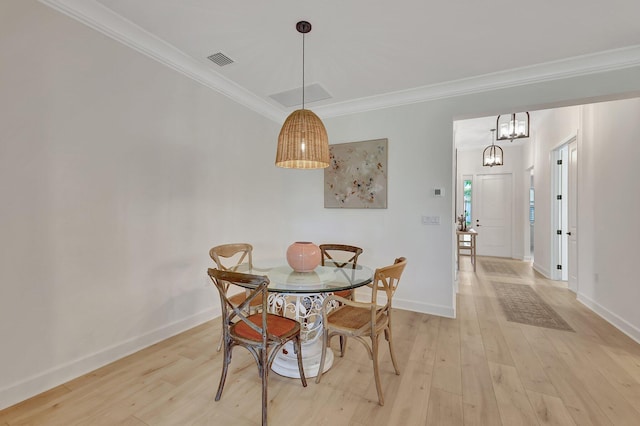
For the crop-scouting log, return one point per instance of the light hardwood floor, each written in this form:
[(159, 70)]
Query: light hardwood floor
[(478, 369)]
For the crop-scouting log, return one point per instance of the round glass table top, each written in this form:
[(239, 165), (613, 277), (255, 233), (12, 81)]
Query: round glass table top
[(329, 278)]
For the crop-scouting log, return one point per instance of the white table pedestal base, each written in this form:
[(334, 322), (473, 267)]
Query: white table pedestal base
[(286, 362), (306, 308)]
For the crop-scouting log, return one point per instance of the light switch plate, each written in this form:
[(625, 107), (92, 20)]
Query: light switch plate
[(431, 220)]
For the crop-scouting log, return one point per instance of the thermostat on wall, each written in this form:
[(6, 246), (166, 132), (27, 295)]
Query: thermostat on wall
[(438, 192)]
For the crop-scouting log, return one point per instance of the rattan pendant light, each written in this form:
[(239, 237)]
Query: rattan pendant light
[(303, 142)]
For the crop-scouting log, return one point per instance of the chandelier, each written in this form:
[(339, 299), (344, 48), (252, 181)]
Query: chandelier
[(513, 126), (492, 155)]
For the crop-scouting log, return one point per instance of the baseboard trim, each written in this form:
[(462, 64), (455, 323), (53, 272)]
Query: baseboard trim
[(409, 305), (56, 376), (424, 308), (536, 267), (612, 318)]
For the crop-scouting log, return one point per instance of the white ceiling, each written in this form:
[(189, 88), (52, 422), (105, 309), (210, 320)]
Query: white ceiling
[(476, 132), (370, 53)]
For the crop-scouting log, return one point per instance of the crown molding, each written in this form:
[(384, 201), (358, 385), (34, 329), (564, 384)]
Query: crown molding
[(609, 60), (102, 19)]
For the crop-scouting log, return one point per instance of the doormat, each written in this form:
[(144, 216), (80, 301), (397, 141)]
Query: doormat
[(522, 304), (498, 268)]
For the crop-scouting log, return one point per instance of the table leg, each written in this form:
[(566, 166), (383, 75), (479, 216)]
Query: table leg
[(306, 309)]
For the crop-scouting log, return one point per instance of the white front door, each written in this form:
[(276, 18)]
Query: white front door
[(492, 215), (572, 207)]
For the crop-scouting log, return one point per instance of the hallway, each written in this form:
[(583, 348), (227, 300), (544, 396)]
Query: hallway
[(513, 373)]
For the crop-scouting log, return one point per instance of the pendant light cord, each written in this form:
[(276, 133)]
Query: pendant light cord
[(302, 70)]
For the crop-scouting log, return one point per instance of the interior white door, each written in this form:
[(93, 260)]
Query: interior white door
[(572, 207), (492, 215)]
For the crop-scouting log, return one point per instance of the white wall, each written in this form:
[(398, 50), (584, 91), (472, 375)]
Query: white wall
[(419, 162), (116, 177), (608, 202), (552, 129), (118, 174)]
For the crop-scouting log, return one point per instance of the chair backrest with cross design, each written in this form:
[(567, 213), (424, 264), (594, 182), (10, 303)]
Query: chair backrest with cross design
[(335, 253), (262, 334)]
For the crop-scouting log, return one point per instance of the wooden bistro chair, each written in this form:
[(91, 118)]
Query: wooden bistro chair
[(364, 320), (345, 256), (352, 253), (228, 257), (262, 334)]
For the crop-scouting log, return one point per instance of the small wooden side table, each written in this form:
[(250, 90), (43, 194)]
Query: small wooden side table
[(466, 242)]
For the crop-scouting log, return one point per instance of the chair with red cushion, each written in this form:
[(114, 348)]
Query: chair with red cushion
[(229, 257), (262, 334)]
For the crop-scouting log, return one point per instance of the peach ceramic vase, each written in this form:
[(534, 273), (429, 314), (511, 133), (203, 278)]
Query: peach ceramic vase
[(303, 256)]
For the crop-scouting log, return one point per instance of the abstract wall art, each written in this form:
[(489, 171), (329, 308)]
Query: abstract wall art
[(357, 175)]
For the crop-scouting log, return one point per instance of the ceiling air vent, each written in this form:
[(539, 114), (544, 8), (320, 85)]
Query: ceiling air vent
[(220, 59), (313, 93)]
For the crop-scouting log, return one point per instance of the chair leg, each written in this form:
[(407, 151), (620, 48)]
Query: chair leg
[(376, 373), (265, 375), (325, 344), (343, 345), (387, 335), (298, 348), (225, 367), (220, 343), (343, 339)]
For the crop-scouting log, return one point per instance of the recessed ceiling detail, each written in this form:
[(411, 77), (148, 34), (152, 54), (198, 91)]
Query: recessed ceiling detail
[(312, 93), (220, 59)]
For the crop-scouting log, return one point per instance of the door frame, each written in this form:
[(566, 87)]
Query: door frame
[(559, 217), (529, 228), (572, 206)]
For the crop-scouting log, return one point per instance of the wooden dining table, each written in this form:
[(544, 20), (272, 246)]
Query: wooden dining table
[(299, 295)]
